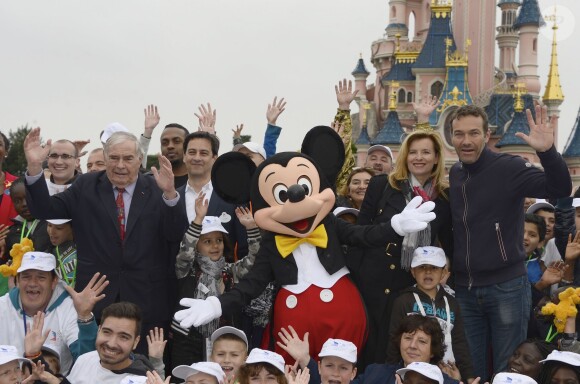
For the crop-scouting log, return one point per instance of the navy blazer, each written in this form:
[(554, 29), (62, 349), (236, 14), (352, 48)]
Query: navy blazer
[(138, 269)]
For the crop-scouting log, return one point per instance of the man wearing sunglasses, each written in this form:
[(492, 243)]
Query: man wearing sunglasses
[(63, 161)]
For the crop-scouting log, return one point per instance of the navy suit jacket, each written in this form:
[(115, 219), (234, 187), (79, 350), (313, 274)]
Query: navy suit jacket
[(236, 231), (138, 269)]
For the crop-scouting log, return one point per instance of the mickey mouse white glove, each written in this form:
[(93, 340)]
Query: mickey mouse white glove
[(414, 217), (199, 312)]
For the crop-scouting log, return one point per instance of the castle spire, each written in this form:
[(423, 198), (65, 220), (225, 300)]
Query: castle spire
[(553, 87)]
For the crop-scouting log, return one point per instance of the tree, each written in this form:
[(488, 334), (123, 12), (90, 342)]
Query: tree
[(152, 161), (16, 161)]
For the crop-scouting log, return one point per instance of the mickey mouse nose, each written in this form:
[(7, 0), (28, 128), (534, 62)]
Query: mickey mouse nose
[(296, 193)]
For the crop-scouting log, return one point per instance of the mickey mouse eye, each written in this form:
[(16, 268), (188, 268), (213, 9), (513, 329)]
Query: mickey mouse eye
[(305, 183), (280, 193)]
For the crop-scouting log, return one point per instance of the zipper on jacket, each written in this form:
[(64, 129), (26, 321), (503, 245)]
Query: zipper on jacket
[(467, 236), (500, 242)]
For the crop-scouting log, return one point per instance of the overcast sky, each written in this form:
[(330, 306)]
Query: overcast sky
[(73, 66)]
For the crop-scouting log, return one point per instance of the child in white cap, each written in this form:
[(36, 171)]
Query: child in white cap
[(200, 373), (512, 378), (560, 368), (419, 372), (64, 249), (427, 298), (202, 272), (10, 365), (263, 366), (229, 350)]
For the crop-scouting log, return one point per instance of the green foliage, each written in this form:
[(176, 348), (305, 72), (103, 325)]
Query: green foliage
[(152, 161), (15, 163)]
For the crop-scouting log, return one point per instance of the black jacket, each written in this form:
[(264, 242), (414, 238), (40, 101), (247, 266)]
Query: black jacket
[(488, 218)]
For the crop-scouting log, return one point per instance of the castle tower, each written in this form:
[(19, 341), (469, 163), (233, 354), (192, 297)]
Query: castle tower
[(528, 24), (571, 152), (392, 133), (475, 21), (360, 75), (397, 19), (510, 143), (363, 143), (553, 95), (507, 37)]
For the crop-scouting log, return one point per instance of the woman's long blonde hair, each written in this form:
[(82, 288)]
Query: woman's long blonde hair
[(401, 172)]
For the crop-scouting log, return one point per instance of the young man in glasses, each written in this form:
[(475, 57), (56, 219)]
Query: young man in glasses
[(63, 161)]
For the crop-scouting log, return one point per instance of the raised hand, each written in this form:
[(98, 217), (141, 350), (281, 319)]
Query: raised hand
[(302, 376), (425, 108), (85, 300), (201, 205), (274, 110), (450, 369), (156, 343), (294, 346), (152, 119), (344, 94), (207, 118), (35, 338), (80, 146), (245, 217), (35, 152), (154, 378), (38, 373), (573, 247), (238, 131), (164, 177), (541, 137)]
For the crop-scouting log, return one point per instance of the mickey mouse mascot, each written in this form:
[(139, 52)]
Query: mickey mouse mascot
[(292, 198)]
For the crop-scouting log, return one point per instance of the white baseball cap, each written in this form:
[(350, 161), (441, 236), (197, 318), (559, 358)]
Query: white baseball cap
[(213, 369), (430, 371), (134, 380), (9, 353), (345, 210), (212, 224), (258, 355), (576, 202), (339, 348), (252, 147), (383, 148), (429, 255), (539, 204), (41, 261), (58, 221), (110, 129), (512, 378), (569, 358), (227, 330)]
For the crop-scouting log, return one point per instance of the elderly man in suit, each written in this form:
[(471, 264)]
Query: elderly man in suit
[(124, 223)]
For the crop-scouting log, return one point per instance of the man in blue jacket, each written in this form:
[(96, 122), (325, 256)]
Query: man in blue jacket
[(487, 195)]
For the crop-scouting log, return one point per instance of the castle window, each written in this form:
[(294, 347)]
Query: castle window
[(409, 97), (393, 12), (401, 96), (437, 88)]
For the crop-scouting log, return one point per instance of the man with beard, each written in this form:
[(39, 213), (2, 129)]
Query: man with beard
[(172, 139), (379, 158)]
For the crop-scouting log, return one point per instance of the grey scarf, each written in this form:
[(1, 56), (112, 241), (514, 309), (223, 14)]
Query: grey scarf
[(208, 285)]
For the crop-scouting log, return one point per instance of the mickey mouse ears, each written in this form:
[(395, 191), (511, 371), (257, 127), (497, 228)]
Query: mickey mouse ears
[(231, 177), (325, 146)]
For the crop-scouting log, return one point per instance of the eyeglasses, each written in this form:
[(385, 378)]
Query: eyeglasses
[(64, 156)]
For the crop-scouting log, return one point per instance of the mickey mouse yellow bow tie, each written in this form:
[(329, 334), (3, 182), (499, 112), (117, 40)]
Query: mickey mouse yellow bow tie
[(287, 244)]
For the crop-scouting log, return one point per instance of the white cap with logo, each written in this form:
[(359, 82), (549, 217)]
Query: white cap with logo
[(430, 371), (212, 224), (566, 357), (41, 261), (339, 348), (9, 353), (512, 378), (213, 369), (429, 255), (258, 355)]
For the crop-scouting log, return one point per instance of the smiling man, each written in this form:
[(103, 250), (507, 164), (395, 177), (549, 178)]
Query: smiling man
[(172, 139), (62, 163), (124, 222), (68, 318), (487, 196)]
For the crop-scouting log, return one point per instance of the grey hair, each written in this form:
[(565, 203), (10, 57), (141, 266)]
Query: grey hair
[(121, 137)]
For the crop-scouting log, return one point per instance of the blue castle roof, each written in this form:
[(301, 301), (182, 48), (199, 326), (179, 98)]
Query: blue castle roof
[(572, 148), (456, 77), (392, 131), (360, 68), (501, 109), (400, 72), (519, 123), (529, 15), (433, 52), (363, 138)]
